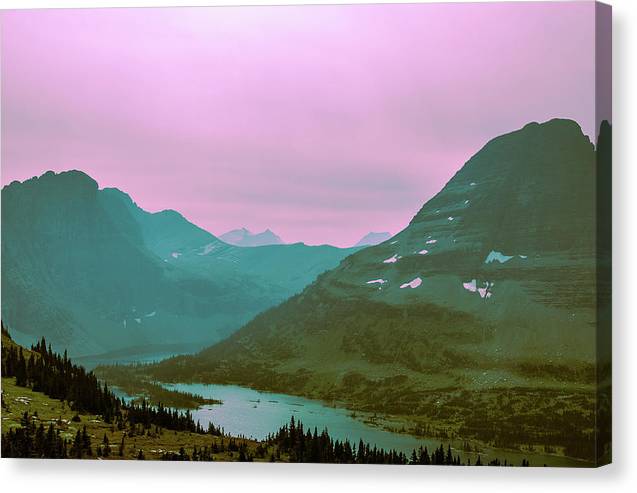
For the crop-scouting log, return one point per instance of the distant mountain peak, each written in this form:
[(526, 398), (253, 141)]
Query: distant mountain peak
[(245, 238), (372, 238)]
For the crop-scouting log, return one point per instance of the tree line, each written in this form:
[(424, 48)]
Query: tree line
[(294, 443), (56, 376), (306, 445)]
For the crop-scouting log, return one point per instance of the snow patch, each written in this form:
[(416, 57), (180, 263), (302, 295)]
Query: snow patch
[(377, 281), (466, 202), (423, 252), (151, 314), (392, 260), (431, 242), (175, 255), (484, 291), (138, 320), (470, 286), (495, 256), (393, 242), (450, 218), (207, 249), (472, 184), (413, 284)]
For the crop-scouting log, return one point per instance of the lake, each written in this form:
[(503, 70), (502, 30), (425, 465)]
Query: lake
[(255, 414)]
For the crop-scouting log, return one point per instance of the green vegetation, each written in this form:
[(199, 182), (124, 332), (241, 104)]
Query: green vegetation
[(124, 442), (71, 415), (402, 376), (542, 420)]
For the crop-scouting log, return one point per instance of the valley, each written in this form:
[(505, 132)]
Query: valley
[(484, 324)]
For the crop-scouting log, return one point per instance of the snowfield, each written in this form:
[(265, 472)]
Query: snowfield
[(413, 284), (377, 281)]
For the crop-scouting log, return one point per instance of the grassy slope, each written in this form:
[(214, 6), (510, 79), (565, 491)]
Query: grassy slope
[(16, 400), (20, 399)]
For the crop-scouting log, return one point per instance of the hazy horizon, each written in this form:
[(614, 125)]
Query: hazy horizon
[(320, 123)]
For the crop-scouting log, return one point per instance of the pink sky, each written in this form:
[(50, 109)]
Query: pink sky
[(322, 123)]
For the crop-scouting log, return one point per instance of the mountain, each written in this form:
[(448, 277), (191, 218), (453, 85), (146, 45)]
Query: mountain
[(505, 252), (371, 239), (493, 284), (94, 273), (243, 237)]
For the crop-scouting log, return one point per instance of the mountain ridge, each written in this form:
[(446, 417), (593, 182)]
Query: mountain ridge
[(92, 271)]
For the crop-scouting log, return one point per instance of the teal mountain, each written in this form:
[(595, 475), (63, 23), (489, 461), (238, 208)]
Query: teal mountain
[(93, 272)]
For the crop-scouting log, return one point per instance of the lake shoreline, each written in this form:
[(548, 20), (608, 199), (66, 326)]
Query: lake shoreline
[(384, 424)]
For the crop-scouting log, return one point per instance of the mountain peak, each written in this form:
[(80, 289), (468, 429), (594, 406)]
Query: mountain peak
[(553, 155), (243, 237), (72, 179), (563, 129)]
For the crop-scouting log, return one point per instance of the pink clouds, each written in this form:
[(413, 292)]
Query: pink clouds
[(321, 123)]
